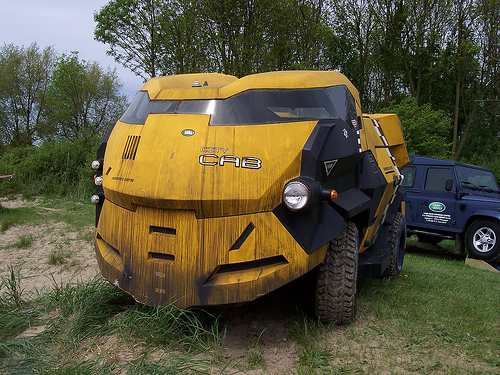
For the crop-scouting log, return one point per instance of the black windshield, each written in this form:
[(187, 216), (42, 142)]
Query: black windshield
[(254, 107)]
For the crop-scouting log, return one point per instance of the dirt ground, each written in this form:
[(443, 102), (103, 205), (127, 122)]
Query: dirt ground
[(33, 261)]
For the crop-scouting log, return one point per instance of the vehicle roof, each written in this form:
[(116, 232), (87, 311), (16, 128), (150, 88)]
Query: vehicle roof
[(427, 160), (222, 86)]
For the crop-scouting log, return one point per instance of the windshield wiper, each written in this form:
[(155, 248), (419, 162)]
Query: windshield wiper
[(484, 187), (470, 184)]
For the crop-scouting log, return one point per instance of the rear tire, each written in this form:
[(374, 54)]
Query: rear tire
[(337, 279), (482, 240), (398, 246)]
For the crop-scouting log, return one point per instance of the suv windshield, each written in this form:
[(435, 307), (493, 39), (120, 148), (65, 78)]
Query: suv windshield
[(255, 107), (476, 178)]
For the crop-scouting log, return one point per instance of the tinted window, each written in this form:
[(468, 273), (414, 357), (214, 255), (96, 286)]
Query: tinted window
[(345, 104), (138, 111), (437, 177), (255, 107), (476, 178), (197, 107), (409, 176), (274, 106)]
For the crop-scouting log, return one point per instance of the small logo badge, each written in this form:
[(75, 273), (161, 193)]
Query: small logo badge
[(187, 132), (437, 207), (329, 164), (345, 133)]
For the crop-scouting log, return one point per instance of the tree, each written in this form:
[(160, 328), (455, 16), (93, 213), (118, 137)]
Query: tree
[(24, 80), (134, 30), (484, 88), (353, 45), (426, 131), (153, 37), (84, 99)]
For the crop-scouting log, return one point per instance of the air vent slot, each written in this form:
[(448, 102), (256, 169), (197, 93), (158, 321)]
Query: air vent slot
[(161, 256), (249, 229), (162, 230), (131, 145), (253, 264)]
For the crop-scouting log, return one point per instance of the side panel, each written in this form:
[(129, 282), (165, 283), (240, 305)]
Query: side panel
[(436, 207), (373, 137)]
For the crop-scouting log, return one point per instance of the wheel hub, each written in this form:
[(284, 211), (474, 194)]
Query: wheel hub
[(484, 239)]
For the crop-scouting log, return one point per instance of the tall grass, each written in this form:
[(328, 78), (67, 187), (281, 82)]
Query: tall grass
[(77, 314)]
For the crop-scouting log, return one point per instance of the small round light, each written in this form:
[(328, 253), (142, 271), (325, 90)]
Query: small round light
[(334, 195), (96, 164), (196, 84), (98, 181), (296, 195), (95, 199)]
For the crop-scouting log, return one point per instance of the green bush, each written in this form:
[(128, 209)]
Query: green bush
[(426, 131), (55, 168)]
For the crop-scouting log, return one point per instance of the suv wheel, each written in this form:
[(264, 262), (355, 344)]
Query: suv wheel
[(337, 278), (483, 240)]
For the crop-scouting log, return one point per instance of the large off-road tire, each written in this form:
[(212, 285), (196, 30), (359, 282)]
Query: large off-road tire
[(482, 240), (337, 279), (398, 246)]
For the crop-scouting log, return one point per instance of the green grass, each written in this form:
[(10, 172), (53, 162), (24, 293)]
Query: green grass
[(439, 316), (438, 309), (24, 241), (16, 216), (77, 214), (58, 256)]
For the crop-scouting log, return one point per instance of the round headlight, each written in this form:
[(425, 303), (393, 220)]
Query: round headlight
[(98, 181), (96, 164), (296, 195), (95, 199)]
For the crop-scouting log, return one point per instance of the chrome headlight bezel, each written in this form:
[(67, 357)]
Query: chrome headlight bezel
[(297, 195)]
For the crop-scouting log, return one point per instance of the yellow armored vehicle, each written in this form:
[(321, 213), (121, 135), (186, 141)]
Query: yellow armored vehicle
[(215, 190)]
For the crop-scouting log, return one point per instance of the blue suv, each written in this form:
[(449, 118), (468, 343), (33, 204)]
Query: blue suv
[(451, 200)]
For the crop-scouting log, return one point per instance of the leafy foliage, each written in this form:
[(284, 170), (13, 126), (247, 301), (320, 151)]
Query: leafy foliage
[(84, 99), (54, 168), (426, 131), (234, 37), (46, 97), (24, 81)]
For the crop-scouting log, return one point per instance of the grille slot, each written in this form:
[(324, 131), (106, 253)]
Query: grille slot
[(249, 229), (130, 149), (162, 230), (161, 256)]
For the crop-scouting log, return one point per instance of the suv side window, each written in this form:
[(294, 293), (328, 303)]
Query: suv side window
[(437, 177), (409, 176)]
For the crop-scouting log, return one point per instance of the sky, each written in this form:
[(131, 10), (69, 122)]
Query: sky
[(67, 25)]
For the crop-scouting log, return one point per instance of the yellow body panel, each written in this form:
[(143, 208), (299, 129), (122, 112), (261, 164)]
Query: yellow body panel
[(386, 142), (159, 175), (391, 127), (220, 86), (185, 267)]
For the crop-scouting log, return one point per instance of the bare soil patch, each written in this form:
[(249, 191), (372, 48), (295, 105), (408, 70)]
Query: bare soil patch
[(76, 256)]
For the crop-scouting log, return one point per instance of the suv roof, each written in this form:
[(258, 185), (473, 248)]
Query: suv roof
[(427, 160)]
